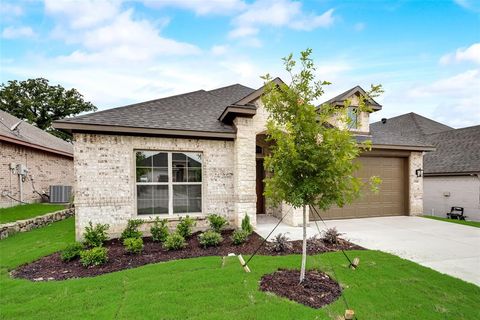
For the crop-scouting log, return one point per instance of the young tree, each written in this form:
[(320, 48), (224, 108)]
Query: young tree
[(311, 160), (39, 103)]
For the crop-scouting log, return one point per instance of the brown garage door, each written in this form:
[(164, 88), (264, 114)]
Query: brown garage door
[(390, 201)]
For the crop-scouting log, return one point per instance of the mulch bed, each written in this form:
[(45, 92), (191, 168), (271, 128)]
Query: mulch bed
[(316, 290), (51, 267)]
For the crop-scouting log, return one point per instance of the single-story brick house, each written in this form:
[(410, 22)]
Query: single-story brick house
[(47, 159), (452, 171), (202, 152)]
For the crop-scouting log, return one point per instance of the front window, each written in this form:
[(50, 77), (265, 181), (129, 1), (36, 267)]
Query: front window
[(168, 182), (352, 118)]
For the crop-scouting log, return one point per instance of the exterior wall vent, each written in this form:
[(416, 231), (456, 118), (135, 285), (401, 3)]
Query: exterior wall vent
[(60, 194)]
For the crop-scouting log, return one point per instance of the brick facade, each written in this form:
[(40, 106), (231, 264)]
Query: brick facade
[(46, 168)]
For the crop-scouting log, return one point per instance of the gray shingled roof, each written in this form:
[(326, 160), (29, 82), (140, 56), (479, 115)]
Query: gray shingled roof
[(195, 111), (457, 151), (31, 135), (406, 129)]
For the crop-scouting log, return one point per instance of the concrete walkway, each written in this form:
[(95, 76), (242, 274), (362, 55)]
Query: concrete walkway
[(446, 247)]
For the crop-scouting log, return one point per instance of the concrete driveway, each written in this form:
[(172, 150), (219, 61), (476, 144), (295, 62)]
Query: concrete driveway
[(446, 247)]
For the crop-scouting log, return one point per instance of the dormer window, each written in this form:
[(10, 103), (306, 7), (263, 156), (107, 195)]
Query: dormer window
[(352, 118)]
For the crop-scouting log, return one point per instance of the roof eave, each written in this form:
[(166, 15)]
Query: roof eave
[(231, 112), (403, 147), (83, 127), (35, 146)]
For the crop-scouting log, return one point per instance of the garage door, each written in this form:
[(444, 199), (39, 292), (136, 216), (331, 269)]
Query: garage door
[(390, 201)]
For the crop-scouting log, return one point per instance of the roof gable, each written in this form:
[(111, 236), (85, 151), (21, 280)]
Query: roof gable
[(357, 90)]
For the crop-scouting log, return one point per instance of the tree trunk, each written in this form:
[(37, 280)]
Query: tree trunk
[(304, 245)]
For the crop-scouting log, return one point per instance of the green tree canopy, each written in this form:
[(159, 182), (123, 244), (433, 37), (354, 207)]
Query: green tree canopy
[(39, 103), (311, 160)]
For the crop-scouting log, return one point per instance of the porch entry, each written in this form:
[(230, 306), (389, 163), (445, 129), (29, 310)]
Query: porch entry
[(260, 186)]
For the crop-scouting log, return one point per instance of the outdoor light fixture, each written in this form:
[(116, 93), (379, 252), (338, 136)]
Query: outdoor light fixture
[(419, 172)]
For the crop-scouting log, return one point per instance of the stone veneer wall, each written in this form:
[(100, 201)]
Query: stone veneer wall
[(8, 229), (415, 184), (47, 169), (105, 177)]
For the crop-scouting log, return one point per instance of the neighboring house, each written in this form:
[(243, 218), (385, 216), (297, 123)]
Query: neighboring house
[(31, 160), (452, 171), (202, 152)]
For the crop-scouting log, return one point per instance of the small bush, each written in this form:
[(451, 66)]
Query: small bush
[(185, 227), (314, 243), (72, 251), (331, 235), (95, 235), (94, 257), (246, 226), (133, 245), (131, 230), (217, 222), (210, 238), (159, 230), (280, 243), (174, 241), (239, 237)]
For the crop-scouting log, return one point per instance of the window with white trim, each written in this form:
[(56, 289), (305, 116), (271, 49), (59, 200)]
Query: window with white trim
[(168, 182)]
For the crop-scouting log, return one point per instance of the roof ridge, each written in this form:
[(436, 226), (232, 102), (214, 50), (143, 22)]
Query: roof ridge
[(231, 85), (456, 130), (134, 104)]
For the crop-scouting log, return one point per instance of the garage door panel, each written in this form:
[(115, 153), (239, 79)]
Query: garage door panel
[(391, 200)]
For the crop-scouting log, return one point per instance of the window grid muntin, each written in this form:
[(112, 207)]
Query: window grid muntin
[(170, 183)]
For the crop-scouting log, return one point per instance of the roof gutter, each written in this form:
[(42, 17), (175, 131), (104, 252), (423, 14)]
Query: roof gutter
[(397, 147), (82, 127), (34, 146)]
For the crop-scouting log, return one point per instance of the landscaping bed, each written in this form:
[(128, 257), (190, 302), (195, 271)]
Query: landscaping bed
[(316, 290), (51, 267)]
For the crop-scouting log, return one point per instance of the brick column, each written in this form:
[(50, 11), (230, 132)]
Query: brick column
[(244, 171), (415, 184)]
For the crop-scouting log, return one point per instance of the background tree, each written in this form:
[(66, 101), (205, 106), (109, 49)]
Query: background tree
[(39, 103), (311, 160)]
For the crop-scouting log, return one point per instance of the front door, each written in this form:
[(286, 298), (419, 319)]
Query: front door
[(260, 187)]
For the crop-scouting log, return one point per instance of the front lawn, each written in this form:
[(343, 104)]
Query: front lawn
[(466, 223), (384, 287), (26, 211)]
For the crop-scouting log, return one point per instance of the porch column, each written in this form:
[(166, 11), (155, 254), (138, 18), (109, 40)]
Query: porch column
[(415, 184), (244, 171)]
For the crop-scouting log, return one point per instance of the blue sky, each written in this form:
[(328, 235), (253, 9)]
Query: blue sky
[(426, 54)]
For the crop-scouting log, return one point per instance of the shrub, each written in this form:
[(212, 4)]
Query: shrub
[(314, 243), (217, 222), (95, 235), (131, 230), (94, 257), (239, 237), (280, 243), (331, 235), (210, 238), (72, 251), (159, 230), (133, 245), (174, 241), (246, 226), (185, 227)]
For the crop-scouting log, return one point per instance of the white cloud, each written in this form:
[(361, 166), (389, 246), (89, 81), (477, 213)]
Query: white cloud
[(223, 7), (457, 86), (473, 5), (83, 14), (219, 50), (471, 53), (359, 26), (115, 37), (17, 32), (279, 13), (9, 10)]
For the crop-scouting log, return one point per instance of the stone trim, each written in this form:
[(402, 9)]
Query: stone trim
[(8, 229)]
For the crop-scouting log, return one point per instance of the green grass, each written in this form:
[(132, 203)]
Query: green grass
[(384, 287), (466, 223), (25, 211)]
